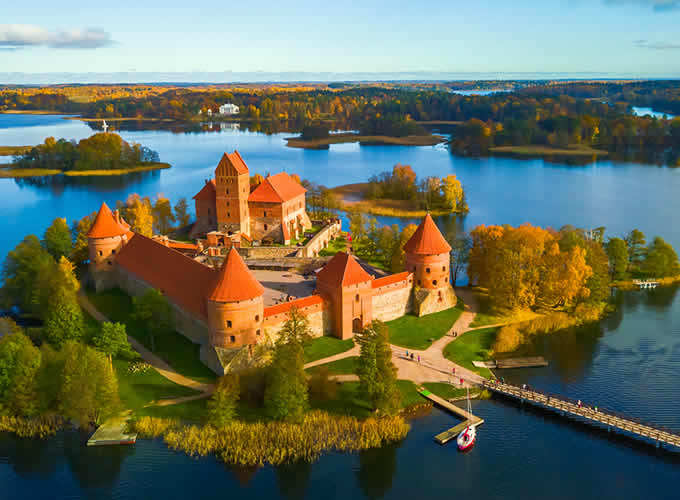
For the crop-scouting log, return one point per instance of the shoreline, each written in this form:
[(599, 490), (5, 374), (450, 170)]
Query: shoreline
[(536, 151), (628, 285), (364, 140), (7, 172)]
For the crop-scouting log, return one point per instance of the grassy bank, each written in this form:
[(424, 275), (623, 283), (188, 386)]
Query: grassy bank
[(535, 150), (417, 333), (11, 172), (447, 391), (30, 427), (630, 285), (324, 347), (351, 196), (410, 140), (473, 346), (14, 150)]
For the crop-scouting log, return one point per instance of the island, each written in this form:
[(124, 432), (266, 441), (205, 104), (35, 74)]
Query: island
[(364, 140), (100, 154)]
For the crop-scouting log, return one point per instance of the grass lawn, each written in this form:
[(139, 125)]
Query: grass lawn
[(334, 246), (178, 351), (141, 388), (412, 332), (443, 390), (471, 347), (190, 412), (343, 366), (326, 346)]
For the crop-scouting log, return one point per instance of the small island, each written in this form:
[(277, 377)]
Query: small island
[(99, 154), (399, 133)]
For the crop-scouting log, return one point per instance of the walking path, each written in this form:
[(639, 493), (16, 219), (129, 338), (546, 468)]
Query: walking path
[(354, 351), (159, 364)]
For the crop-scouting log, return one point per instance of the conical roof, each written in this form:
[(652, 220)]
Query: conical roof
[(343, 270), (105, 225), (427, 240), (234, 281)]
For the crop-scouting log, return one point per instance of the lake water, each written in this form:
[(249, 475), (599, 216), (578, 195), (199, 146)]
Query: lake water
[(630, 362)]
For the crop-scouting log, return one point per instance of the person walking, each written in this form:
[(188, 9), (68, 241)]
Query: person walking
[(418, 358)]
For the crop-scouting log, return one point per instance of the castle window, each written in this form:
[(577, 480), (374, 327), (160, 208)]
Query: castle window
[(113, 252), (265, 227), (427, 270), (257, 332), (228, 214), (228, 323), (265, 214), (227, 203), (101, 253), (443, 268), (356, 298), (232, 338), (418, 282), (257, 317), (227, 191), (434, 282)]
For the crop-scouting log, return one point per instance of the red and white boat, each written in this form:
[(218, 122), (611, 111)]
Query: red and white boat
[(466, 439)]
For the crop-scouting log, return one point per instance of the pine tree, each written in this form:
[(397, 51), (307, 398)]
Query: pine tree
[(377, 373), (222, 404)]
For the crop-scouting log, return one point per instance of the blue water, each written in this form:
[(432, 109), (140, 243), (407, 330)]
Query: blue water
[(630, 362)]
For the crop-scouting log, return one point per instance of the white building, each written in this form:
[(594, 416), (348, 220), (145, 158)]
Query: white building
[(229, 109)]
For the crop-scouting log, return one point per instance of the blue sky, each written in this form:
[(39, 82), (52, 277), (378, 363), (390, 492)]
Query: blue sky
[(624, 37)]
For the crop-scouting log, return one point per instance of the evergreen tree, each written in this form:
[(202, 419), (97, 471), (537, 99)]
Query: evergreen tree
[(57, 239), (617, 251), (111, 339), (64, 319), (377, 373), (222, 404), (286, 395), (636, 248)]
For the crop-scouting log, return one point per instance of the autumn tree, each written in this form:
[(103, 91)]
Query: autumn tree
[(377, 373), (163, 218), (19, 364), (617, 251), (222, 403), (57, 239), (79, 230), (398, 265), (452, 193), (139, 214), (182, 212)]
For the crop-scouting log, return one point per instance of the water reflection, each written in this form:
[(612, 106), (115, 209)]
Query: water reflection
[(293, 479), (377, 469), (94, 466), (58, 184)]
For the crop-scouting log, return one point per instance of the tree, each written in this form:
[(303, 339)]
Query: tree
[(19, 364), (138, 212), (153, 311), (660, 260), (617, 252), (163, 218), (461, 244), (357, 225), (398, 254), (182, 213), (87, 389), (57, 239), (79, 231), (286, 395), (222, 403), (377, 373), (64, 320), (111, 339), (256, 180), (636, 247), (452, 191), (8, 327)]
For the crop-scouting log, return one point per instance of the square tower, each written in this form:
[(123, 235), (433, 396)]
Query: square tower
[(232, 188)]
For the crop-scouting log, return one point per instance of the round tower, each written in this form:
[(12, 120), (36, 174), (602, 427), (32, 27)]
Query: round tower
[(108, 234), (235, 305), (427, 256)]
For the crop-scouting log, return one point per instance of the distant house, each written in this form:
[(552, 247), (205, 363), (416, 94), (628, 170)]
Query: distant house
[(229, 109)]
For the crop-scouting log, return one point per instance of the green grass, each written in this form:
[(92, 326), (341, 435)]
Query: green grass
[(472, 346), (444, 390), (412, 332), (178, 351), (139, 389), (326, 346), (344, 366), (334, 246), (190, 412)]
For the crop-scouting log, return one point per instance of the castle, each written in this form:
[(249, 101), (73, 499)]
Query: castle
[(273, 210), (223, 310)]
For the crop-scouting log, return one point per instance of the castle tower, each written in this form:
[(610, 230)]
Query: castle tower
[(108, 234), (427, 256), (235, 305), (349, 289), (232, 186)]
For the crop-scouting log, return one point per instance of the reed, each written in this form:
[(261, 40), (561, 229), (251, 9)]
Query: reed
[(275, 443), (30, 428)]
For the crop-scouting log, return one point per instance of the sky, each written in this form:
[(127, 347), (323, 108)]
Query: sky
[(597, 37)]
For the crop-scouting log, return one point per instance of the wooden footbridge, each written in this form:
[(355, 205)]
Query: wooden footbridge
[(567, 407), (452, 433)]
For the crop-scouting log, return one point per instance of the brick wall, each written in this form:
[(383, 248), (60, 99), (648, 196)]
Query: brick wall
[(318, 315), (392, 301)]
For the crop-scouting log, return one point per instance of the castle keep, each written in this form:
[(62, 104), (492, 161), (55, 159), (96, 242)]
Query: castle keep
[(223, 310)]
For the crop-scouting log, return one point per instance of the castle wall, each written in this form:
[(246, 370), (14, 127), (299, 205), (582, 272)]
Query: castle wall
[(318, 315), (320, 240), (393, 301), (192, 327)]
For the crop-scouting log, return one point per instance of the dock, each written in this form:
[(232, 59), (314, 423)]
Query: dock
[(112, 432), (589, 414), (646, 283), (529, 362), (452, 433)]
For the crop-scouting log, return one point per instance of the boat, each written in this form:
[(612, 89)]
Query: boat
[(466, 439)]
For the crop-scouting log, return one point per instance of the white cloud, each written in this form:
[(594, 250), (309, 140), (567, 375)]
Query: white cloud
[(26, 35), (646, 44)]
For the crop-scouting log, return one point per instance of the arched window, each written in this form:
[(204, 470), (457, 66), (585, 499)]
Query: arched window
[(101, 253), (356, 298), (434, 282), (228, 323), (257, 317), (444, 268), (232, 338), (427, 270), (257, 332), (265, 227)]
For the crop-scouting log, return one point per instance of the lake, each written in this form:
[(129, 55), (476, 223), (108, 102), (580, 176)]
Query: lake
[(629, 362)]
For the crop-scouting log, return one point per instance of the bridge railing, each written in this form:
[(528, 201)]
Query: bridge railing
[(558, 397)]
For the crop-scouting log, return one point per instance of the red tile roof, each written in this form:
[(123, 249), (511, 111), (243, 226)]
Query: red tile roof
[(427, 240), (287, 306), (277, 189), (234, 281), (343, 270), (183, 280), (207, 193), (105, 225), (390, 280), (234, 159)]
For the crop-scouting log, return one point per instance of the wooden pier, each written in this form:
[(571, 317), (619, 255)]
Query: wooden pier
[(530, 362), (595, 415), (646, 283), (112, 432), (468, 418)]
